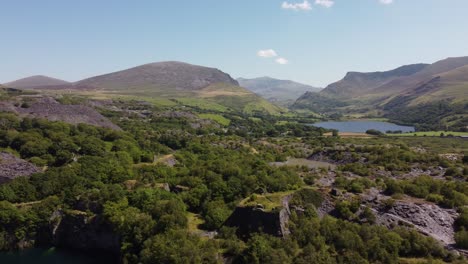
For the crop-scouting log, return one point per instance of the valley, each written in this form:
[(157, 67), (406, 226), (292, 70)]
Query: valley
[(427, 96), (193, 164), (234, 132)]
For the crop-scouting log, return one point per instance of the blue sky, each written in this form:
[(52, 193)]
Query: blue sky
[(320, 41)]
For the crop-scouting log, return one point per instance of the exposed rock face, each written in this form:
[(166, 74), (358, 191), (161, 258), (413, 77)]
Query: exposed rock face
[(334, 156), (249, 220), (326, 207), (12, 167), (253, 219), (49, 108), (82, 232), (429, 219)]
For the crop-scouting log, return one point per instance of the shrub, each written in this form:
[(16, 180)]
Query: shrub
[(461, 238), (374, 132)]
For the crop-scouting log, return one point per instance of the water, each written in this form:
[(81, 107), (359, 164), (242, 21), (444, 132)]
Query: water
[(363, 126), (53, 256)]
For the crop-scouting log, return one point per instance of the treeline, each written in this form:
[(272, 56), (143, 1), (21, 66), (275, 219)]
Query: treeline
[(431, 116)]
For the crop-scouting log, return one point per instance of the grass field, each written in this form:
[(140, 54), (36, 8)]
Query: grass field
[(429, 134), (217, 118), (202, 104), (194, 222), (269, 201)]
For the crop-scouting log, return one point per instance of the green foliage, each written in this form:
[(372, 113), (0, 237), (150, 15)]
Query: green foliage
[(374, 132), (215, 214), (461, 238), (99, 172), (448, 194), (357, 185), (178, 247)]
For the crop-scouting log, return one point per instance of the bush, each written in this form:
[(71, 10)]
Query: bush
[(435, 198), (374, 132), (461, 238)]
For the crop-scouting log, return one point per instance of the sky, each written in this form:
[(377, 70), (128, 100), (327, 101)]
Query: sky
[(314, 42)]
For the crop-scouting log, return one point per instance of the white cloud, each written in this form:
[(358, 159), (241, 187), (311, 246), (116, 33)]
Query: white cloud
[(329, 3), (386, 2), (268, 53), (282, 61), (297, 6)]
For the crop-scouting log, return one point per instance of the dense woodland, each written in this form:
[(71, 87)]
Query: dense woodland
[(113, 176)]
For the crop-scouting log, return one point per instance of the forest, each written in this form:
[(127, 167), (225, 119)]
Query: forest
[(164, 212)]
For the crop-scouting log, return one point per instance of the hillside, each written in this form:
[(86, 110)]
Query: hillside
[(425, 95), (282, 92), (37, 81)]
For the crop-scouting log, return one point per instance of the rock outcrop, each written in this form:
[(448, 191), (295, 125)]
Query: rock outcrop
[(77, 230), (12, 167), (251, 219), (428, 218), (49, 108)]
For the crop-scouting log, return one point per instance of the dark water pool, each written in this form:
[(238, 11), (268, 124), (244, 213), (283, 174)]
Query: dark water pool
[(54, 256)]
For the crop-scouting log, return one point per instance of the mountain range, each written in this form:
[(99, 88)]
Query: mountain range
[(190, 84), (400, 94), (407, 94), (282, 92)]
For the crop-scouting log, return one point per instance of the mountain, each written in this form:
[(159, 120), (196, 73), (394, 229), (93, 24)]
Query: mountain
[(358, 83), (185, 83), (283, 92), (167, 76), (37, 81), (424, 94)]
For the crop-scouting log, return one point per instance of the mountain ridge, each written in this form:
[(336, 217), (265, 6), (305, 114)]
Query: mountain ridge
[(416, 94)]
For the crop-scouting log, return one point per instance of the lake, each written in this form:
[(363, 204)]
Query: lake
[(54, 256), (361, 126)]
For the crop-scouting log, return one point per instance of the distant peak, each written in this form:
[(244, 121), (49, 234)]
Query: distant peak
[(35, 81)]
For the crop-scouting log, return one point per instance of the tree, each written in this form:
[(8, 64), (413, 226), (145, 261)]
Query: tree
[(178, 247), (215, 213), (374, 132)]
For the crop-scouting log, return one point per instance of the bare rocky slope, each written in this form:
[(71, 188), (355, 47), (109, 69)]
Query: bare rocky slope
[(49, 108), (12, 167)]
